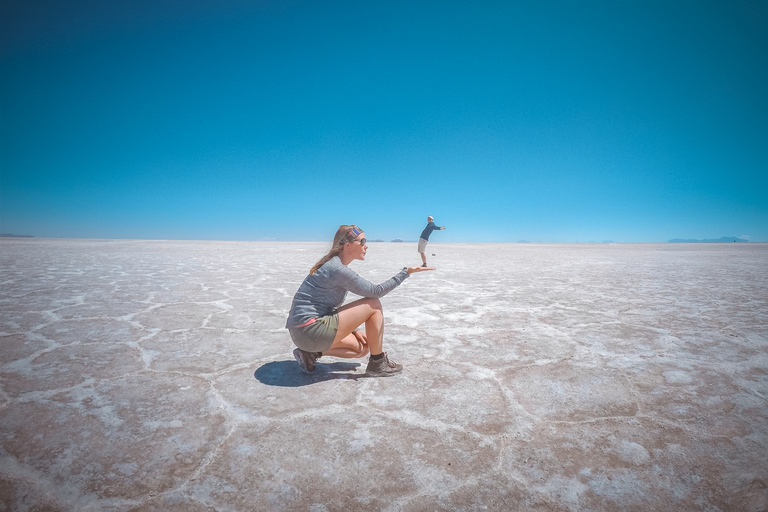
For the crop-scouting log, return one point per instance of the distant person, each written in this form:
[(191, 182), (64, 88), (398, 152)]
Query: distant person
[(424, 238), (319, 326)]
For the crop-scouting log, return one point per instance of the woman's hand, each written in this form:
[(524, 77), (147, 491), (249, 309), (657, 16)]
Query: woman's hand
[(411, 270)]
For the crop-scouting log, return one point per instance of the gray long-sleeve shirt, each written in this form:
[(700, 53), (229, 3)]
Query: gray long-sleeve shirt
[(324, 291)]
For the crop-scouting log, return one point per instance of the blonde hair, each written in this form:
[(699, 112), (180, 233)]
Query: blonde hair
[(344, 234)]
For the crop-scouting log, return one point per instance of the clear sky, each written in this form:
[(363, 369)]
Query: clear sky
[(551, 121)]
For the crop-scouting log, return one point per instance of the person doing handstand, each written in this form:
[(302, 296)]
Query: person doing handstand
[(424, 238), (319, 324)]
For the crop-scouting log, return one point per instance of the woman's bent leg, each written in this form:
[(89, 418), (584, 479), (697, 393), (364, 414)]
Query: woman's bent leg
[(351, 316)]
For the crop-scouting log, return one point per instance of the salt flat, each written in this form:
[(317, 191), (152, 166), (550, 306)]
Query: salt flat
[(157, 376)]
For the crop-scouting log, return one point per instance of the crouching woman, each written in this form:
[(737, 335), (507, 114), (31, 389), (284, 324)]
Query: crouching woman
[(319, 325)]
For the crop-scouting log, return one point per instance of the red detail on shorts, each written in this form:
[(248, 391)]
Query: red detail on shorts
[(308, 322)]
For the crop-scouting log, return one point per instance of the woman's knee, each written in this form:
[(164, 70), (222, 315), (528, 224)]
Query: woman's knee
[(375, 304)]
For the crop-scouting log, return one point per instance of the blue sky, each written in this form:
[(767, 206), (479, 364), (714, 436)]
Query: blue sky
[(233, 120)]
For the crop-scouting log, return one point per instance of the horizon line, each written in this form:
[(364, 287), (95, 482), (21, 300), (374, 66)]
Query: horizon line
[(674, 241)]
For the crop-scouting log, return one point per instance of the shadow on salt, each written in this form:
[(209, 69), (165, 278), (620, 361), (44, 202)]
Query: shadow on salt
[(288, 374)]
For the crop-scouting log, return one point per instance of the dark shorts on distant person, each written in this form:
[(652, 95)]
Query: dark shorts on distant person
[(317, 336)]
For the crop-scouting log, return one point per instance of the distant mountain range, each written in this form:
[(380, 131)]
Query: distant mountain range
[(9, 235), (707, 240)]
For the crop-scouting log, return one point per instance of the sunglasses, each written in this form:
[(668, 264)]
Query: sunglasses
[(362, 241)]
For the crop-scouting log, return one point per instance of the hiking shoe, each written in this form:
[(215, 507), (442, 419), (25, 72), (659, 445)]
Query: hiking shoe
[(424, 265), (306, 360), (383, 367)]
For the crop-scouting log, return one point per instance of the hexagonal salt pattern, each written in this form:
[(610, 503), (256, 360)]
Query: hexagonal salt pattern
[(157, 376)]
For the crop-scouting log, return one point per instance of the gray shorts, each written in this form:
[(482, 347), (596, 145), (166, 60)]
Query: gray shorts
[(423, 244), (317, 336)]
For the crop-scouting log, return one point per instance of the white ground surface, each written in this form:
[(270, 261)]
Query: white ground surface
[(157, 376)]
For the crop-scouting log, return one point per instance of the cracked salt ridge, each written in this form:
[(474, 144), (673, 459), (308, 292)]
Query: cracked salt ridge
[(158, 376)]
